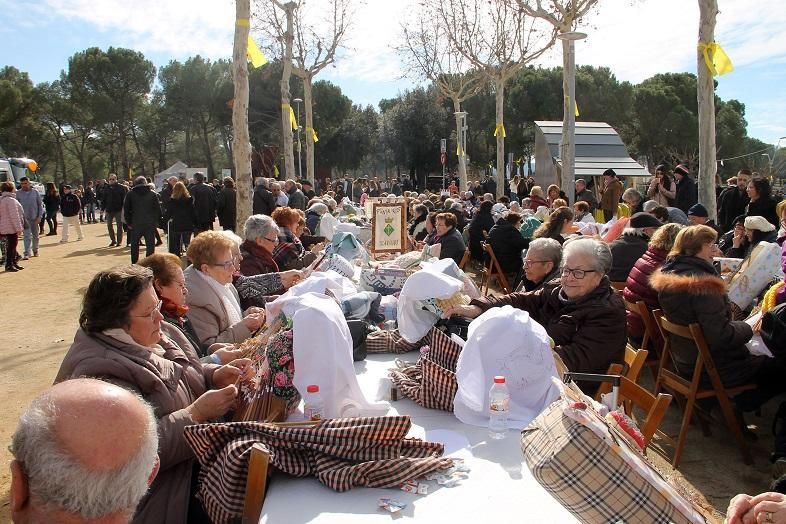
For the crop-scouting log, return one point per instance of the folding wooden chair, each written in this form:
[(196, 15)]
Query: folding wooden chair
[(464, 259), (630, 368), (692, 390), (642, 311), (492, 269), (655, 407), (618, 286)]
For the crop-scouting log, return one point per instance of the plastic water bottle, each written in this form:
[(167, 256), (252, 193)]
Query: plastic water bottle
[(499, 399), (314, 406)]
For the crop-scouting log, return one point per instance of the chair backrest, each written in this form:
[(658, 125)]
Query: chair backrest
[(641, 310), (618, 286), (653, 406), (691, 332), (464, 259), (495, 270), (630, 368)]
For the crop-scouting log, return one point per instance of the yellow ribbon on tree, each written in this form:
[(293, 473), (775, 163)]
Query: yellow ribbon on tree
[(292, 119), (242, 22), (313, 133), (459, 151), (500, 129), (255, 54), (575, 106), (719, 63)]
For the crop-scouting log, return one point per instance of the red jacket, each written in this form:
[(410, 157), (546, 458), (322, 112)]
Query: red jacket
[(637, 288)]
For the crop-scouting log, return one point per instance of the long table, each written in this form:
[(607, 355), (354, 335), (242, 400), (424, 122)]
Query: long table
[(499, 488)]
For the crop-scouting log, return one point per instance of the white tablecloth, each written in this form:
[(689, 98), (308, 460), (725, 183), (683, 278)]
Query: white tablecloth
[(499, 489)]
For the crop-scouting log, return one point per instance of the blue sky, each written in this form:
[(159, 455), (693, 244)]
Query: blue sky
[(635, 38)]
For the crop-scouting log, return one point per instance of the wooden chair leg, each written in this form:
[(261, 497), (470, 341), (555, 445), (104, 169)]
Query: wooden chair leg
[(686, 418), (734, 426)]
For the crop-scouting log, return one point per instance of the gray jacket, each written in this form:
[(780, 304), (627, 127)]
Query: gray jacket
[(207, 313)]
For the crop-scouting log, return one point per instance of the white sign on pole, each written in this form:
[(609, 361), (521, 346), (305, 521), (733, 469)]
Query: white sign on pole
[(443, 145)]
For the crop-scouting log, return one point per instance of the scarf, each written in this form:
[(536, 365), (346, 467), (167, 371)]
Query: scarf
[(121, 336), (172, 310), (228, 300)]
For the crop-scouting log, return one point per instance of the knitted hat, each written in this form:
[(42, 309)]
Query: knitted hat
[(642, 219), (759, 223), (697, 210), (681, 169)]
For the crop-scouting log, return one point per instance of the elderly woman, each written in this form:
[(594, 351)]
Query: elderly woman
[(541, 264), (290, 253), (314, 215), (213, 302), (537, 198), (121, 339), (417, 228), (559, 225), (450, 240), (633, 200), (482, 221), (507, 243), (748, 234), (260, 234), (169, 283), (583, 314)]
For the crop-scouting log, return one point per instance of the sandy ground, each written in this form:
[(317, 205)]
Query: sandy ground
[(40, 308)]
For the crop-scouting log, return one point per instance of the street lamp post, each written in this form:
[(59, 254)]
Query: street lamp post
[(299, 101), (567, 149)]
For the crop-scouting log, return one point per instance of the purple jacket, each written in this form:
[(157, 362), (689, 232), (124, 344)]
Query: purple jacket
[(780, 298), (12, 216)]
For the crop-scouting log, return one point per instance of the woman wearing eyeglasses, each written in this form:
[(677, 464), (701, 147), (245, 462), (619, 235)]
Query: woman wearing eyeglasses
[(213, 302), (582, 314), (121, 339), (260, 238)]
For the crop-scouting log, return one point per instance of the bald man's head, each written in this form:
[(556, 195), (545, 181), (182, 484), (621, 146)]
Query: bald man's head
[(85, 448)]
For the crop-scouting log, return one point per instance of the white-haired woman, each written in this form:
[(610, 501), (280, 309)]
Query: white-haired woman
[(314, 215), (582, 314), (260, 238)]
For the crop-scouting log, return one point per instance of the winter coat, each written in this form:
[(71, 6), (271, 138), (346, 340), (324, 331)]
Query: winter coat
[(226, 207), (312, 221), (204, 203), (182, 214), (170, 383), (588, 197), (290, 253), (70, 205), (535, 202), (686, 194), (589, 333), (297, 200), (638, 288), (507, 243), (625, 251), (731, 204), (417, 229), (264, 201), (764, 208), (481, 222), (452, 246), (88, 196), (610, 198), (207, 313), (12, 216), (114, 194), (52, 204), (32, 204), (141, 208), (690, 291), (256, 260)]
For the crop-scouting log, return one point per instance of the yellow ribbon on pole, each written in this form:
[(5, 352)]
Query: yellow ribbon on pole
[(255, 54), (313, 133), (719, 63), (242, 22), (459, 151), (292, 119), (500, 129), (576, 107)]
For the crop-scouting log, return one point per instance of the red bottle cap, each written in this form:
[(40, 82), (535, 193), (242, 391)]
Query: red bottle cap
[(499, 379), (313, 388)]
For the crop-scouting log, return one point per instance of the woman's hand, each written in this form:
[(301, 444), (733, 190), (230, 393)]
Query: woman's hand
[(462, 311), (227, 354), (254, 321), (739, 237), (739, 511), (212, 404), (769, 507), (290, 278), (238, 369), (316, 248)]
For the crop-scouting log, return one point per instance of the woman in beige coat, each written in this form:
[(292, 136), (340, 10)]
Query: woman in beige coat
[(122, 339)]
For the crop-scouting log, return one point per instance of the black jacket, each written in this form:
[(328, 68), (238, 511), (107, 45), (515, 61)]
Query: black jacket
[(114, 195), (165, 195), (141, 208), (764, 208), (452, 246), (687, 194), (507, 243), (70, 205), (481, 222), (204, 202), (226, 207), (625, 251), (264, 201), (51, 203), (731, 204), (88, 196), (182, 214)]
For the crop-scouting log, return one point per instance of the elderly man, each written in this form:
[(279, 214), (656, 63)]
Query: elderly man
[(585, 195), (698, 215), (629, 247), (282, 199), (84, 451), (33, 208), (541, 264), (264, 201), (297, 200)]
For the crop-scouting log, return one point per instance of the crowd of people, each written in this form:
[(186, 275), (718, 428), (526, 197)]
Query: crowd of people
[(164, 340)]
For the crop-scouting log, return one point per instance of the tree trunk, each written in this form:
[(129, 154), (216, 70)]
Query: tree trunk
[(208, 149), (309, 128), (567, 148), (708, 11), (241, 144), (286, 126), (499, 85), (461, 146)]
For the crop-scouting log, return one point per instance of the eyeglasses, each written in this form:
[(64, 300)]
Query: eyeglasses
[(152, 314), (528, 263), (229, 264), (273, 240), (578, 274)]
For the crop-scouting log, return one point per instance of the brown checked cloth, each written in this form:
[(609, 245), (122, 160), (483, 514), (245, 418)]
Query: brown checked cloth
[(342, 453)]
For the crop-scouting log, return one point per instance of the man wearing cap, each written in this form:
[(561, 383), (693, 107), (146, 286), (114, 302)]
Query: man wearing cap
[(733, 201), (698, 215), (70, 206), (585, 195), (631, 245), (687, 193), (610, 195)]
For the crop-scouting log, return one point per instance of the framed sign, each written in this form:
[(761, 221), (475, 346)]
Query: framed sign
[(389, 228)]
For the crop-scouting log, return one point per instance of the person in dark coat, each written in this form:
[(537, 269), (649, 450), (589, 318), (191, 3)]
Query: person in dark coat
[(260, 234), (633, 243), (581, 312), (52, 205), (637, 286), (690, 291), (264, 201), (204, 203), (482, 221), (114, 195), (762, 204), (733, 201), (226, 205), (142, 213), (180, 219), (687, 192), (585, 195), (541, 264), (166, 193), (450, 240), (297, 200), (507, 243), (698, 215)]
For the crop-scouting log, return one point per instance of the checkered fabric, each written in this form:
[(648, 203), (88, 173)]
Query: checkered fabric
[(431, 381), (590, 480), (342, 453), (385, 341)]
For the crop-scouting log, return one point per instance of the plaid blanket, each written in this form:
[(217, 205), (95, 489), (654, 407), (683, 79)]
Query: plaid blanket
[(341, 453)]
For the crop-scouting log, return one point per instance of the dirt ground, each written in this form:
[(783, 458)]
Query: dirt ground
[(40, 308)]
